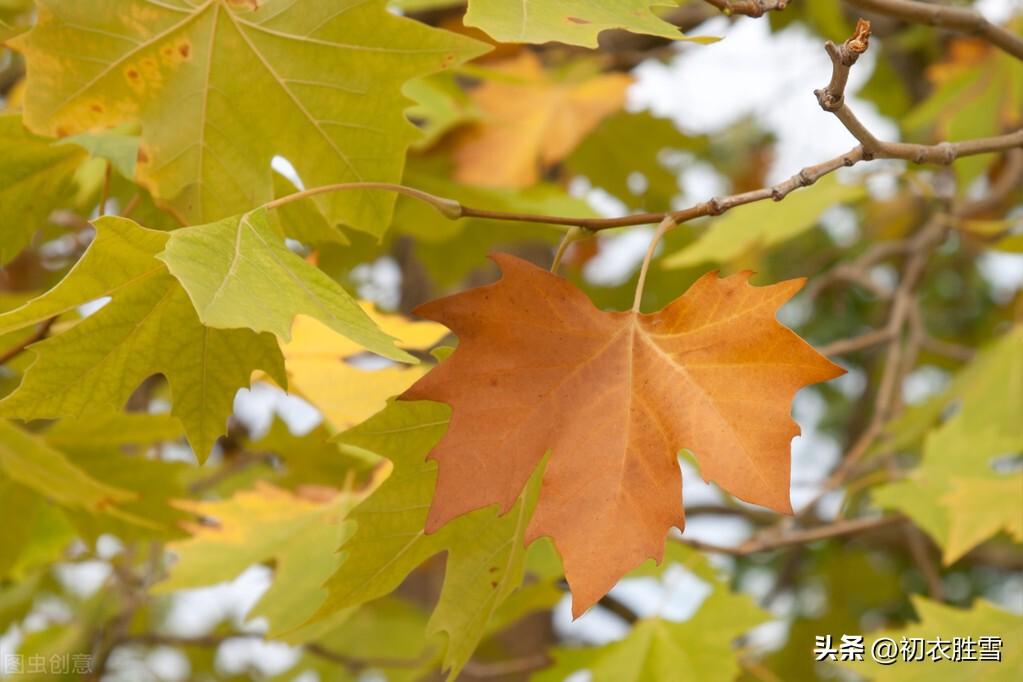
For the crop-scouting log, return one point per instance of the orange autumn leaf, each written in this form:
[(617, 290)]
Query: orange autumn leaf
[(531, 121), (614, 396)]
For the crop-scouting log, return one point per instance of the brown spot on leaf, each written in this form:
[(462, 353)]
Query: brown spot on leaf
[(142, 156), (96, 107), (579, 20), (185, 50)]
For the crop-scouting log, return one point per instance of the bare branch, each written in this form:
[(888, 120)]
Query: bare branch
[(215, 640), (39, 334), (751, 8), (832, 99), (776, 538), (962, 19)]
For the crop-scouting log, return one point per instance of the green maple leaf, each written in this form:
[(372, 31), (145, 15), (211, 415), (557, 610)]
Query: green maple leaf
[(954, 494), (29, 461), (764, 224), (113, 430), (254, 526), (36, 177), (486, 555), (628, 143), (938, 620), (577, 22), (220, 87), (239, 273), (149, 327)]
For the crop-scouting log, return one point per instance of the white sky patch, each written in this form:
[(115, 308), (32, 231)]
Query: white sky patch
[(771, 77), (257, 406), (285, 168)]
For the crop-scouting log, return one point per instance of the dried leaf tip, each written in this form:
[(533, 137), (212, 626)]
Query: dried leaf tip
[(860, 39)]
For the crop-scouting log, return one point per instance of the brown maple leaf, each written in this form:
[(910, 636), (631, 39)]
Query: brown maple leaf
[(614, 396)]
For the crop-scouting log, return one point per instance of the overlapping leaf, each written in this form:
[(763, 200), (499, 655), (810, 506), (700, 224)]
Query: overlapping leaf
[(239, 273), (254, 526), (35, 178), (220, 87), (486, 552), (320, 367), (701, 647), (577, 22), (531, 120), (614, 397), (955, 494), (29, 461), (149, 327)]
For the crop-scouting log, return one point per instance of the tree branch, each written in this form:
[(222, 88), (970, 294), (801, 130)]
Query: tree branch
[(751, 8), (832, 99), (775, 538), (41, 332), (212, 641), (962, 19)]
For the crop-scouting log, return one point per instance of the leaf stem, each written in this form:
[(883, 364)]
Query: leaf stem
[(572, 235), (666, 224), (449, 208)]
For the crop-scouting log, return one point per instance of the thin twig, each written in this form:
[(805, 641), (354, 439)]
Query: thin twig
[(750, 8), (832, 98), (41, 332), (713, 207), (962, 19), (774, 539), (514, 666), (104, 196), (213, 641), (857, 343)]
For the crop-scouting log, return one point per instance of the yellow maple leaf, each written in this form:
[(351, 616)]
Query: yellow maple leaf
[(320, 369), (531, 121)]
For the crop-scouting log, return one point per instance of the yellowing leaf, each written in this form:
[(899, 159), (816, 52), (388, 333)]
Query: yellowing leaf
[(981, 507), (978, 92), (954, 494), (318, 362), (531, 121), (614, 397), (36, 177), (221, 87), (149, 327), (300, 534), (577, 22), (28, 460), (239, 274), (764, 224)]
